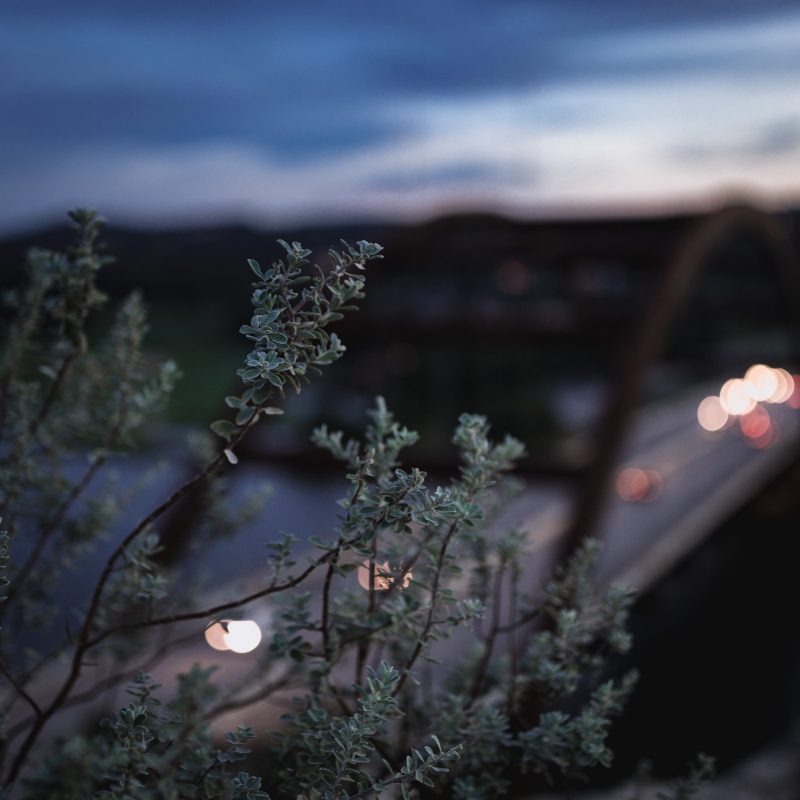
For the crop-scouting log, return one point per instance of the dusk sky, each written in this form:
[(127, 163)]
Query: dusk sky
[(195, 112)]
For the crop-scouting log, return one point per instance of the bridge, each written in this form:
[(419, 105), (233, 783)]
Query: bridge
[(595, 342)]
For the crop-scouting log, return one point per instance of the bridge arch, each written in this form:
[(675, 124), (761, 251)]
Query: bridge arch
[(680, 273)]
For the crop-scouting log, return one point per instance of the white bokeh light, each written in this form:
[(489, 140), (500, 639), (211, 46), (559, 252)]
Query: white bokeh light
[(736, 398), (761, 382), (243, 636), (711, 415)]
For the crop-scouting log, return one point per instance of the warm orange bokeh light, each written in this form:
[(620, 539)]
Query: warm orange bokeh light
[(215, 636), (384, 578), (767, 439), (636, 485), (513, 278), (794, 400), (755, 424)]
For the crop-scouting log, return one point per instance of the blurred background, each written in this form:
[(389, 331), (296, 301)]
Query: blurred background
[(590, 212)]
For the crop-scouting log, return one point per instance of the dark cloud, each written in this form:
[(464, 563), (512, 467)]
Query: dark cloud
[(302, 82), (155, 116)]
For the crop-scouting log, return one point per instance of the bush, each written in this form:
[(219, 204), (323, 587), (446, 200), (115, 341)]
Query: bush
[(382, 704)]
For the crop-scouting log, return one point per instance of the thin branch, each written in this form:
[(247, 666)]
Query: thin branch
[(326, 598), (527, 617), (254, 697), (326, 590), (110, 681), (512, 641), (377, 787), (341, 702), (214, 610), (19, 336), (19, 689), (488, 645), (364, 642), (36, 551), (421, 640), (408, 564), (82, 643), (44, 659), (66, 363), (110, 441)]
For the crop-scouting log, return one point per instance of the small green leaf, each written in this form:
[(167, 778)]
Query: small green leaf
[(245, 415), (224, 428)]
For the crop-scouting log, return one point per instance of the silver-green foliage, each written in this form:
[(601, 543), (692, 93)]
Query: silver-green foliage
[(389, 699)]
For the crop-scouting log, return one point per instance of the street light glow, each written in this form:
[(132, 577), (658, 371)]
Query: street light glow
[(384, 577), (711, 415), (238, 636)]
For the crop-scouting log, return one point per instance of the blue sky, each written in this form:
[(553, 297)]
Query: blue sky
[(194, 111)]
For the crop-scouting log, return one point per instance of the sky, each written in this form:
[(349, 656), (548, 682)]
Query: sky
[(271, 113)]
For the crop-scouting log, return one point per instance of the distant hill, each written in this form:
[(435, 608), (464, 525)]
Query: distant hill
[(199, 262)]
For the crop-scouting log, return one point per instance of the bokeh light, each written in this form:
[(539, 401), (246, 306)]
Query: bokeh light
[(513, 278), (243, 635), (636, 485), (766, 439), (761, 382), (239, 636), (794, 399), (756, 423), (736, 398), (215, 636), (385, 577), (784, 386), (711, 415)]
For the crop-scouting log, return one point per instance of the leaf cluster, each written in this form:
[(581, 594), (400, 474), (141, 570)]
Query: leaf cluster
[(289, 328), (145, 751), (418, 659)]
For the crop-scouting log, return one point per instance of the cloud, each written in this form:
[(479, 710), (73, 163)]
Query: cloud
[(168, 110), (780, 137), (463, 175)]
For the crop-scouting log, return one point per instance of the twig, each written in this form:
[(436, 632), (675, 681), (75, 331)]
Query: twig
[(111, 439), (30, 674), (512, 641), (110, 681), (363, 644), (260, 694), (527, 617), (434, 598), (488, 644), (19, 689), (76, 331), (326, 590)]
